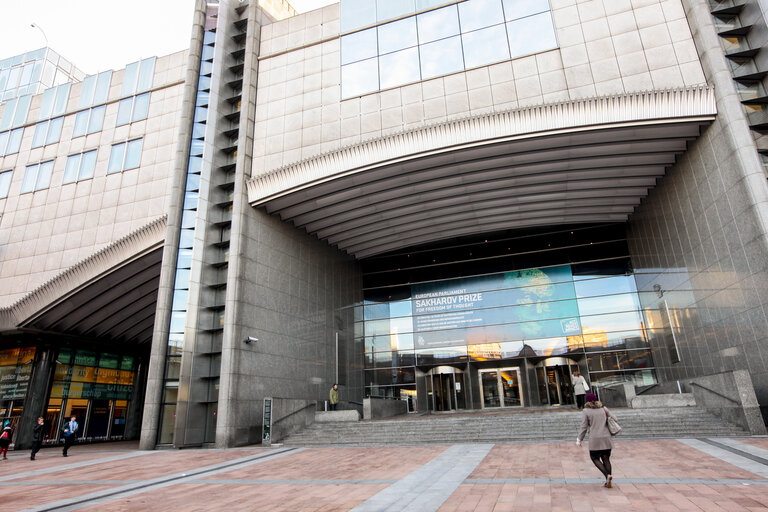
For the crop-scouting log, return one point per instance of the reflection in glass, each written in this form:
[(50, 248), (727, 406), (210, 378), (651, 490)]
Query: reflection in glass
[(531, 35), (116, 158), (441, 58), (609, 304), (475, 14), (485, 46), (441, 355), (514, 9), (438, 24), (399, 68), (358, 46), (357, 13), (389, 9), (591, 287), (359, 78), (397, 35), (612, 322)]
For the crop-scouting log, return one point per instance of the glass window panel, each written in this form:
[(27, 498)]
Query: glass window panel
[(81, 123), (30, 176), (476, 14), (46, 107), (485, 46), (195, 164), (207, 53), (198, 131), (5, 183), (196, 147), (133, 154), (130, 78), (441, 58), (397, 35), (188, 219), (357, 13), (72, 169), (26, 74), (600, 340), (116, 158), (180, 298), (358, 46), (184, 259), (359, 78), (13, 79), (609, 304), (124, 111), (62, 95), (4, 78), (41, 130), (86, 93), (438, 24), (7, 119), (193, 182), (88, 165), (612, 322), (376, 311), (399, 68), (37, 71), (44, 175), (141, 107), (531, 35), (146, 72), (22, 109), (514, 9), (604, 286), (426, 4), (3, 142), (389, 9), (190, 200), (97, 119), (54, 130), (187, 238), (14, 141), (102, 87)]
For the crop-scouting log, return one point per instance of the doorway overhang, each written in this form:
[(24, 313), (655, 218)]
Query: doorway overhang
[(584, 161)]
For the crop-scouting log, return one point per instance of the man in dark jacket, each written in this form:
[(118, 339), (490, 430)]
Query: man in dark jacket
[(37, 437)]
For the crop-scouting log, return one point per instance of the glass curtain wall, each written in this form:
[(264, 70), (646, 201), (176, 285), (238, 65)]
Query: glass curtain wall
[(187, 236), (15, 373), (419, 40), (583, 309), (94, 387)]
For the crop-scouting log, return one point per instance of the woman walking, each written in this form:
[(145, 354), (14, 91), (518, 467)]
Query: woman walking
[(595, 418)]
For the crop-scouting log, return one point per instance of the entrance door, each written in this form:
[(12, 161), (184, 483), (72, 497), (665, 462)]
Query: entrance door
[(554, 376), (446, 389), (500, 387)]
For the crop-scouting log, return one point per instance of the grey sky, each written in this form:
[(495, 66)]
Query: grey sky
[(97, 35)]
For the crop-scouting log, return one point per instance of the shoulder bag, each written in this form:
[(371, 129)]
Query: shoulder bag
[(613, 426)]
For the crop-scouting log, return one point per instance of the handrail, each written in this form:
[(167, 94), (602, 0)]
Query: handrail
[(714, 392), (278, 420), (647, 389)]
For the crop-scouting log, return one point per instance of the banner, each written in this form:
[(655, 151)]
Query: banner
[(520, 305)]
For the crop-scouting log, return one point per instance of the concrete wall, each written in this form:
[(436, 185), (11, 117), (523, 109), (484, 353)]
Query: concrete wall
[(606, 47), (730, 395), (294, 294), (383, 408), (698, 242), (44, 232)]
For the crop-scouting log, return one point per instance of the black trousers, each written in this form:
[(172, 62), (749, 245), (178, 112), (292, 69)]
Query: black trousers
[(36, 445), (580, 401), (68, 441)]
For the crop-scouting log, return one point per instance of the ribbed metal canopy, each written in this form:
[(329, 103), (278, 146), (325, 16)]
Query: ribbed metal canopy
[(586, 174)]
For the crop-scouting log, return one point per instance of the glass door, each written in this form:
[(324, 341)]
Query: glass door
[(501, 387)]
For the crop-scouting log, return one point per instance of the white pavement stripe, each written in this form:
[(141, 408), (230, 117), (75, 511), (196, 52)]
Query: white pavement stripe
[(427, 488), (729, 457), (744, 447), (74, 465), (115, 493)]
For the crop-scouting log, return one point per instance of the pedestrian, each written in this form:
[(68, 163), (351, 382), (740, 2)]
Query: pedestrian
[(595, 418), (334, 397), (5, 440), (580, 388), (37, 437), (70, 434)]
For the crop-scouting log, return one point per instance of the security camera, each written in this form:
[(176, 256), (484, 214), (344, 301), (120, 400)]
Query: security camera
[(250, 339)]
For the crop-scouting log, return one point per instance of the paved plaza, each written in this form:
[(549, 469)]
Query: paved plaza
[(663, 475)]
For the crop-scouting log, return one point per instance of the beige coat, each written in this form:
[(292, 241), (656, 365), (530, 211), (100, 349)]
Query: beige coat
[(594, 420)]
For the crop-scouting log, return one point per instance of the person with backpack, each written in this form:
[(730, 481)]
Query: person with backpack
[(5, 440)]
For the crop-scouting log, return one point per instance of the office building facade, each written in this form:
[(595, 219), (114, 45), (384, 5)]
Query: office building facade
[(452, 203)]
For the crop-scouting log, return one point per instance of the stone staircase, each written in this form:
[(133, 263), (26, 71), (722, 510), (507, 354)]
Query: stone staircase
[(517, 426)]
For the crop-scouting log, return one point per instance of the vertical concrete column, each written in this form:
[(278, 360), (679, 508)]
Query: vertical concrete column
[(154, 393), (136, 406), (37, 395)]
